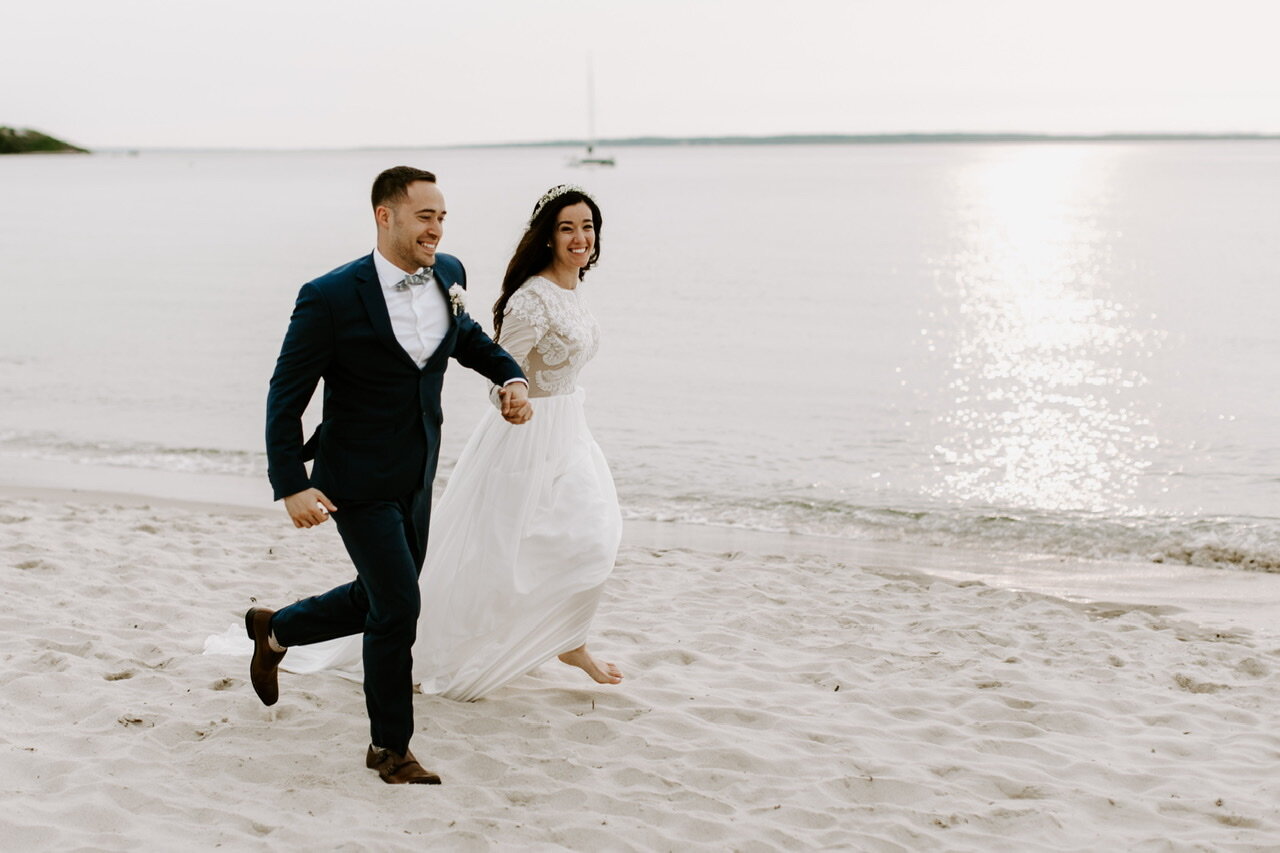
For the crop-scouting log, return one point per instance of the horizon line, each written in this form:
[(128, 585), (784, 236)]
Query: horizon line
[(747, 139), (855, 138)]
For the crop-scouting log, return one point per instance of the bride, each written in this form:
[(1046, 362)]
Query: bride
[(528, 527)]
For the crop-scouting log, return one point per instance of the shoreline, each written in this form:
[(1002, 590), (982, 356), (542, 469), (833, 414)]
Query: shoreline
[(1222, 599)]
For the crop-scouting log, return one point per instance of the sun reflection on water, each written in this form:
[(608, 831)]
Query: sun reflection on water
[(1040, 410)]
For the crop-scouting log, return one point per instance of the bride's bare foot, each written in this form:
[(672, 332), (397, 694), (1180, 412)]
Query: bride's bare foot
[(605, 673)]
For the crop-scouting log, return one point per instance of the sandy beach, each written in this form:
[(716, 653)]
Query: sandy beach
[(775, 699)]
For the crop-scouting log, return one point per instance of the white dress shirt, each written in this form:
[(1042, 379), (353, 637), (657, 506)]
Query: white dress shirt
[(419, 314)]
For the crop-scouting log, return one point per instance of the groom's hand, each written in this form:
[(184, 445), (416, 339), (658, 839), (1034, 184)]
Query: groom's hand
[(516, 407), (309, 508)]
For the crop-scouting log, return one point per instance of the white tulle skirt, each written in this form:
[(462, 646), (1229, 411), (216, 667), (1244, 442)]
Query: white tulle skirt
[(522, 542)]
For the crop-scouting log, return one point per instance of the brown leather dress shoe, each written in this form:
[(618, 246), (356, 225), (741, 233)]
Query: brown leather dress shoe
[(399, 769), (263, 666)]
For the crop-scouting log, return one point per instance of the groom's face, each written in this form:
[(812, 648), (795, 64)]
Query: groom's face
[(410, 229)]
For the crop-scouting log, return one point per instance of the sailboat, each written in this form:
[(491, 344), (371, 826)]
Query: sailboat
[(591, 158)]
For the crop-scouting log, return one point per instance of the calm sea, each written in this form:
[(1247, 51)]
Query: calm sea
[(1050, 349)]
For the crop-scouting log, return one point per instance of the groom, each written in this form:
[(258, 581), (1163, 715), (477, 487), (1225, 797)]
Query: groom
[(379, 331)]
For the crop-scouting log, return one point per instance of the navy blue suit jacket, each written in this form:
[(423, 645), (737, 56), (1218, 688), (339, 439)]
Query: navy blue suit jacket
[(379, 436)]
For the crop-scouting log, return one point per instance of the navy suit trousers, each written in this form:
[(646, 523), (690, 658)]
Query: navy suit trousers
[(387, 541)]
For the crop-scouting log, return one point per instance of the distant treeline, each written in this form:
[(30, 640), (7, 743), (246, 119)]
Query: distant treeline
[(26, 141), (887, 139)]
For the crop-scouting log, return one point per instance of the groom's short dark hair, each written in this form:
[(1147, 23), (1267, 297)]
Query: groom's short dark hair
[(393, 184)]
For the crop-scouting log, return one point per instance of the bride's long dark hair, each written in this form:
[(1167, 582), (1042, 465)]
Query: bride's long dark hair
[(533, 253)]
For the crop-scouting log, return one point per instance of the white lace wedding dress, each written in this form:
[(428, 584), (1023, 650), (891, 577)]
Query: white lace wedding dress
[(526, 532)]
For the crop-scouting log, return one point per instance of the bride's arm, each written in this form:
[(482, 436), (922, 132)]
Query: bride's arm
[(524, 322)]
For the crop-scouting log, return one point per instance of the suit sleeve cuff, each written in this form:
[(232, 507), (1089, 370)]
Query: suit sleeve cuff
[(285, 485)]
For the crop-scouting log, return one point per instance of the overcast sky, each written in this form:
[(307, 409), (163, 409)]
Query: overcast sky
[(320, 74)]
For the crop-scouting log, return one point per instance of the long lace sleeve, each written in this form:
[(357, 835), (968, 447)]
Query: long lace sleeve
[(524, 322), (550, 334)]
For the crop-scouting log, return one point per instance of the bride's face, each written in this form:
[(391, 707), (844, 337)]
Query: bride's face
[(574, 237)]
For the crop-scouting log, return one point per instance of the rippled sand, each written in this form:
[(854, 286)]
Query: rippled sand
[(773, 701)]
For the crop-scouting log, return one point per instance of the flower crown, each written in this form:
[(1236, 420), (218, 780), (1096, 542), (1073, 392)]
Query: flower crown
[(553, 194)]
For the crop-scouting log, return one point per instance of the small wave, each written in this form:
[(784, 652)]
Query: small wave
[(1218, 555), (1251, 544), (189, 460)]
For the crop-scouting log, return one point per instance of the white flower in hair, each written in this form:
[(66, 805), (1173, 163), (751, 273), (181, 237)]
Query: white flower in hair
[(457, 299)]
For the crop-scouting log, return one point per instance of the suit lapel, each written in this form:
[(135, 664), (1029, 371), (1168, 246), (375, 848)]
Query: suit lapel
[(375, 304), (445, 278)]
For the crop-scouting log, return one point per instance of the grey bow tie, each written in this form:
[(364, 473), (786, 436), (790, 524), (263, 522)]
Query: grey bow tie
[(414, 278)]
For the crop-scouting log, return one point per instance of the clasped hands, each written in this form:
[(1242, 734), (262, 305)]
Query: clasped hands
[(516, 408)]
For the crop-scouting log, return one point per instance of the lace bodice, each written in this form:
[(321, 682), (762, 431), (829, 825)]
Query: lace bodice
[(551, 334)]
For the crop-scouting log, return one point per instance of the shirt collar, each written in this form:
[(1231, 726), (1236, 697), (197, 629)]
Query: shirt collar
[(389, 275)]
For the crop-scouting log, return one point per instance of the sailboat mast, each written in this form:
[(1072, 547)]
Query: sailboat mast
[(591, 105), (590, 159)]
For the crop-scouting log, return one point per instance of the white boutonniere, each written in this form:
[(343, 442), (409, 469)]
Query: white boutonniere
[(457, 299)]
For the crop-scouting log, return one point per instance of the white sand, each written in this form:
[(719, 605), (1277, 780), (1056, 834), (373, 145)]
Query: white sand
[(773, 701)]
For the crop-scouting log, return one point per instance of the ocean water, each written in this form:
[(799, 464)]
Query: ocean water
[(1061, 350)]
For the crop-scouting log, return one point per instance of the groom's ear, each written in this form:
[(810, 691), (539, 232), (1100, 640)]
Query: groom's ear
[(382, 216)]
